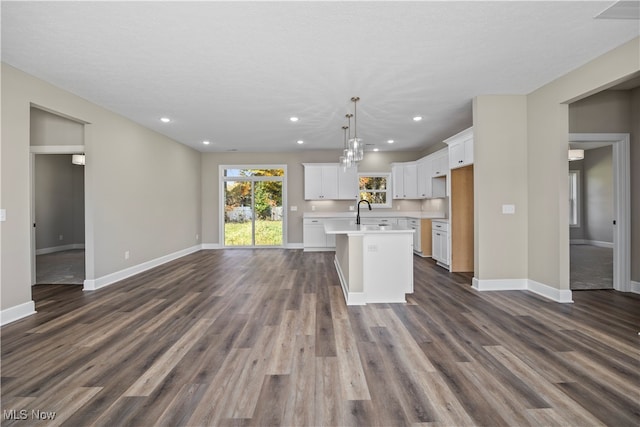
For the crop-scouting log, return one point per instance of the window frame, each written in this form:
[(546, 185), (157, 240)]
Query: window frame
[(387, 190), (574, 199)]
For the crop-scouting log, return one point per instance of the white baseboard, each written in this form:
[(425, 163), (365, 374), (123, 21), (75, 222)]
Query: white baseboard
[(557, 295), (600, 244), (294, 246), (17, 312), (635, 287), (592, 243), (53, 249), (499, 284), (208, 246), (109, 279), (352, 298)]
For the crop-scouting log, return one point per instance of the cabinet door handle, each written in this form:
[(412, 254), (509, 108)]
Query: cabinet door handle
[(315, 220)]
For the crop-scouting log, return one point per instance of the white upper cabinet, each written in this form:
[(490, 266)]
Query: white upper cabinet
[(424, 177), (320, 181), (460, 149), (328, 181), (440, 163), (405, 180), (348, 187)]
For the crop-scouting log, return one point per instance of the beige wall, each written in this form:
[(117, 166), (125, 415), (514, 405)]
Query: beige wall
[(142, 188), (373, 162), (50, 129), (548, 129), (500, 177)]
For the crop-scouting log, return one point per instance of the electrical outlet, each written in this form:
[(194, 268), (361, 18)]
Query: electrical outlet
[(197, 237), (313, 208), (61, 237), (126, 254), (294, 208), (351, 208), (3, 214)]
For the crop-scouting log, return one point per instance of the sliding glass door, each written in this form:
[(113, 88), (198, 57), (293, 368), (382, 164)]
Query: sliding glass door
[(253, 207)]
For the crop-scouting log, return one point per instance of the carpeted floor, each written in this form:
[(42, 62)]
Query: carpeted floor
[(591, 267), (66, 267)]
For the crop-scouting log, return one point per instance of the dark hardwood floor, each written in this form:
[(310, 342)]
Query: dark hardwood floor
[(263, 337)]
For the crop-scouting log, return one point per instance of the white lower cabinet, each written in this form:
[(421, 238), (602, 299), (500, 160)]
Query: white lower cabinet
[(314, 237), (417, 240), (440, 242)]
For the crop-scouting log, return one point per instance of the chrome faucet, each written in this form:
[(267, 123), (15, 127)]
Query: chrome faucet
[(358, 217)]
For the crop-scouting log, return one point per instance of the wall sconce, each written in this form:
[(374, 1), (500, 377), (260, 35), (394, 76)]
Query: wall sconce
[(77, 159), (576, 155)]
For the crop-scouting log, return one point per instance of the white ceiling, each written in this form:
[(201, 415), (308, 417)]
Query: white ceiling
[(234, 72)]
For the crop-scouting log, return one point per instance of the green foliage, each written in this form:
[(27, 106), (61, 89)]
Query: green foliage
[(268, 233)]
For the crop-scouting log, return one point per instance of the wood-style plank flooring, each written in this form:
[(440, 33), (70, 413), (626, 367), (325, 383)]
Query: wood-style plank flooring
[(263, 337)]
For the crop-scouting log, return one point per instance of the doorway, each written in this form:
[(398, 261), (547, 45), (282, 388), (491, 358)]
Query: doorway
[(58, 220), (589, 261), (253, 213), (57, 197)]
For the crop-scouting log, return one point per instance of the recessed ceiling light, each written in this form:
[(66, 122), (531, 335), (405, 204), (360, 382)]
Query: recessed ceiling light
[(165, 119), (206, 142), (300, 141), (390, 141), (376, 149), (417, 118), (293, 119)]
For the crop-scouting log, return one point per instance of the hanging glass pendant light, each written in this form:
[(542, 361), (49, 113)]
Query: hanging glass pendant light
[(356, 145), (345, 159)]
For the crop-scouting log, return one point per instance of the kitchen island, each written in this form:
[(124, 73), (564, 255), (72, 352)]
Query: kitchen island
[(374, 262)]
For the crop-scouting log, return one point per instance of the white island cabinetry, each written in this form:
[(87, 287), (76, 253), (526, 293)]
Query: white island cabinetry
[(374, 263)]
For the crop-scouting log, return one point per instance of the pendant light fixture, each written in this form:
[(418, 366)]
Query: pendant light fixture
[(345, 159), (356, 145)]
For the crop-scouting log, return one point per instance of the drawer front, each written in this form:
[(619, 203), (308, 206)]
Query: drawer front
[(313, 221), (414, 222), (441, 226)]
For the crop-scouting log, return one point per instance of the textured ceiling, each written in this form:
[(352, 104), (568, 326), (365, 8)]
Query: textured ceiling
[(234, 72)]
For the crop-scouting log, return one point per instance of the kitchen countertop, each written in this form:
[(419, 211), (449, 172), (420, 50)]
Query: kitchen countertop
[(348, 227), (365, 213)]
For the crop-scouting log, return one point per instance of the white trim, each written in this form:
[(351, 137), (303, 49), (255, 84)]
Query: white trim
[(209, 246), (620, 143), (109, 279), (499, 284), (351, 298), (600, 244), (557, 295), (294, 246), (56, 149), (634, 287), (221, 199), (17, 312), (53, 249)]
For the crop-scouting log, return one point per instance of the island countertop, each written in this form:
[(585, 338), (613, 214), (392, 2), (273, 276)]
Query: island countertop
[(350, 228)]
